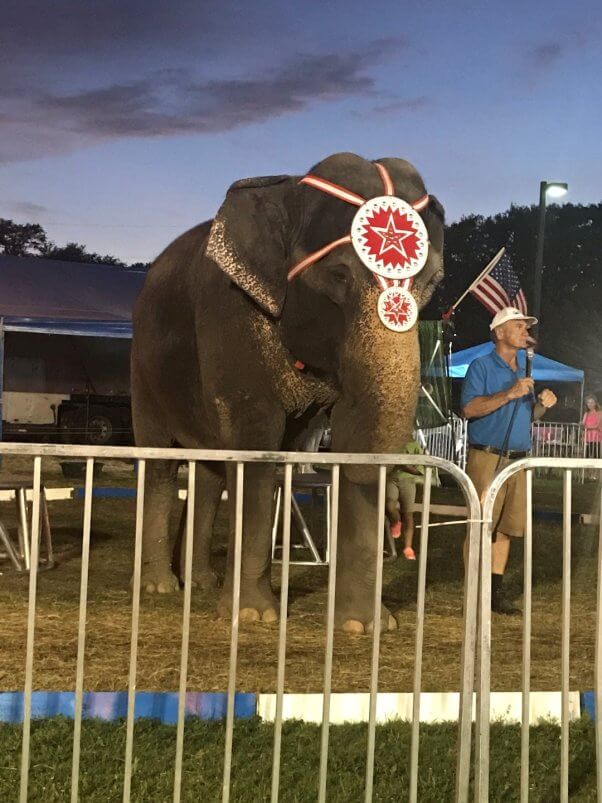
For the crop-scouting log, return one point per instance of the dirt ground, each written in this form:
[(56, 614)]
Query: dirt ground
[(109, 610)]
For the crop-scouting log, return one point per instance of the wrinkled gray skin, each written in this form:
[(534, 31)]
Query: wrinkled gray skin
[(217, 329)]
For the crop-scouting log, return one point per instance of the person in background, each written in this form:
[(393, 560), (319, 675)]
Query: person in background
[(592, 430), (592, 424), (499, 402), (400, 499)]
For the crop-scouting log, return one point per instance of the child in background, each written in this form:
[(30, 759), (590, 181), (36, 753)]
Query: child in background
[(400, 498)]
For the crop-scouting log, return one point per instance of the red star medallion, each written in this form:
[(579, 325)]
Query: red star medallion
[(397, 309), (390, 237)]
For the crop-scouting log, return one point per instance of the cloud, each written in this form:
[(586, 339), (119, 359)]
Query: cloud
[(545, 55), (174, 102), (396, 107), (28, 209)]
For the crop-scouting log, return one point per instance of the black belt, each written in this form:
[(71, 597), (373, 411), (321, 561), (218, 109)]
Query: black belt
[(510, 454)]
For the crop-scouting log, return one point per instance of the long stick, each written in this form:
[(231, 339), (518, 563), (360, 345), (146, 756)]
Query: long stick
[(489, 267)]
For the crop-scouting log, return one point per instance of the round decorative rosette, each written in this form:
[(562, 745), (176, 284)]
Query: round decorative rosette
[(397, 309), (390, 237)]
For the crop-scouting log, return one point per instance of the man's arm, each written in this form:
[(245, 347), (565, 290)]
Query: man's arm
[(483, 405)]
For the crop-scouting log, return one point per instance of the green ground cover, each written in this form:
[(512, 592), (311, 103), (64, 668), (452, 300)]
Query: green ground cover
[(103, 749)]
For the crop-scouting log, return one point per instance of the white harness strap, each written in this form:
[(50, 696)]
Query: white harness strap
[(333, 189), (384, 174), (309, 260)]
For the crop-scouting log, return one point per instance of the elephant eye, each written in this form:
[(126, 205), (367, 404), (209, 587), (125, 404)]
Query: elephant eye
[(340, 274), (337, 283)]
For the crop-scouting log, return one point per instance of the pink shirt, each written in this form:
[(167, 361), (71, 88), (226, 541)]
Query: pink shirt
[(592, 421)]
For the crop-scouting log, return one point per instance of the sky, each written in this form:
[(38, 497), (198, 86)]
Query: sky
[(123, 122)]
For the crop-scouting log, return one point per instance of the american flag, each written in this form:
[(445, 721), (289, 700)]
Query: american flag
[(501, 288)]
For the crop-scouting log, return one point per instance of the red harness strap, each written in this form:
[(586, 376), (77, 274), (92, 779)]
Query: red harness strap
[(350, 197)]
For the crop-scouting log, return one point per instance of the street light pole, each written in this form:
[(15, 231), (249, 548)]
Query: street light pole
[(557, 188), (539, 254)]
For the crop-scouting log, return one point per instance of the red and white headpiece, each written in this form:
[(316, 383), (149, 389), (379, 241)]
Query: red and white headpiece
[(391, 240)]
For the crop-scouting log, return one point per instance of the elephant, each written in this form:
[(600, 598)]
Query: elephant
[(220, 331)]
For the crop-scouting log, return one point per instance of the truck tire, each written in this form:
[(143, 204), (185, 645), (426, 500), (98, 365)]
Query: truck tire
[(101, 429)]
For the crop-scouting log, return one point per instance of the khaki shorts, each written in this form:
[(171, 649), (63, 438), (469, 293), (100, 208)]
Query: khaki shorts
[(510, 505)]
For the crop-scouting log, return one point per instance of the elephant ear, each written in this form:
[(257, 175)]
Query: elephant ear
[(249, 239), (432, 273)]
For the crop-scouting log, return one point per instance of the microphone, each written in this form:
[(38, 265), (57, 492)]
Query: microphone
[(530, 354)]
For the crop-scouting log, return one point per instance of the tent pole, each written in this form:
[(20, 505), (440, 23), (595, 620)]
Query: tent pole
[(581, 405)]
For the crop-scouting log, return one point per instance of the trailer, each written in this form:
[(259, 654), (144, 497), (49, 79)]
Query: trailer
[(68, 388), (65, 337)]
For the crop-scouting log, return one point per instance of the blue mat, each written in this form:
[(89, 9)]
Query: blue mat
[(106, 493), (109, 706), (588, 704)]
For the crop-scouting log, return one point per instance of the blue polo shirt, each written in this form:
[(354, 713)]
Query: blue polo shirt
[(488, 375)]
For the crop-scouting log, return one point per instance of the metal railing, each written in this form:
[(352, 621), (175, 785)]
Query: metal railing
[(559, 439), (530, 465), (449, 442), (549, 439), (242, 459)]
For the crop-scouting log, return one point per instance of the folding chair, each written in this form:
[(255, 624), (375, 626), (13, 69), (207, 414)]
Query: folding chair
[(19, 551), (318, 485)]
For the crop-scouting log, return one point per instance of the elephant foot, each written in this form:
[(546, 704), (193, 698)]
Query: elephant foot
[(159, 582), (253, 608), (204, 579), (358, 627), (268, 616)]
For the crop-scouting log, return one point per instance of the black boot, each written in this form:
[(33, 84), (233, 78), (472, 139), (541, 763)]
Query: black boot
[(499, 601)]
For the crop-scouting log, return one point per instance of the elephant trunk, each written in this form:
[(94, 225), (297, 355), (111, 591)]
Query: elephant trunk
[(376, 410)]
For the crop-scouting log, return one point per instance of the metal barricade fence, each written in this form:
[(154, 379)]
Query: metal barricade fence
[(559, 439), (242, 459), (530, 465), (553, 439), (448, 442)]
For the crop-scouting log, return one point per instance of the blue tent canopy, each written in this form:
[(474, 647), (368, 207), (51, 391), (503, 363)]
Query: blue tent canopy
[(544, 369), (52, 326), (72, 298)]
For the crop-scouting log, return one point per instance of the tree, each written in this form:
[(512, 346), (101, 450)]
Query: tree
[(75, 252), (571, 286), (24, 239), (139, 266)]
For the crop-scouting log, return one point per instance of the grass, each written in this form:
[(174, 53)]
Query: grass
[(109, 614), (103, 749)]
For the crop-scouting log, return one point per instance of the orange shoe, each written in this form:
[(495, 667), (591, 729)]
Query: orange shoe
[(396, 529), (409, 553)]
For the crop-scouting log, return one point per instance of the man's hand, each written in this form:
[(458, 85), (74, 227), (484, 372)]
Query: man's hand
[(547, 398), (523, 387)]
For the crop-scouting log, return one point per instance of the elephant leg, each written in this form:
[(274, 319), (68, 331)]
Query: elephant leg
[(209, 485), (157, 550), (257, 600), (356, 559)]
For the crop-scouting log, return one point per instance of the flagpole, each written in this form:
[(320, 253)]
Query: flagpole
[(489, 267)]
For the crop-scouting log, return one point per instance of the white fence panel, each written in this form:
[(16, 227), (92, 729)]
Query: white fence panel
[(567, 467), (242, 460)]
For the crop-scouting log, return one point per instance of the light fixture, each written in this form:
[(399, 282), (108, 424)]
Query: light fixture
[(556, 189), (553, 189)]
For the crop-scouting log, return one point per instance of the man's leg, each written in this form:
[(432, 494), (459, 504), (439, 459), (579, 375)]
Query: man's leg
[(512, 520), (481, 469), (500, 550)]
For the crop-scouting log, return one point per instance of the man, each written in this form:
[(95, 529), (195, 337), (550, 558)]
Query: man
[(498, 401)]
